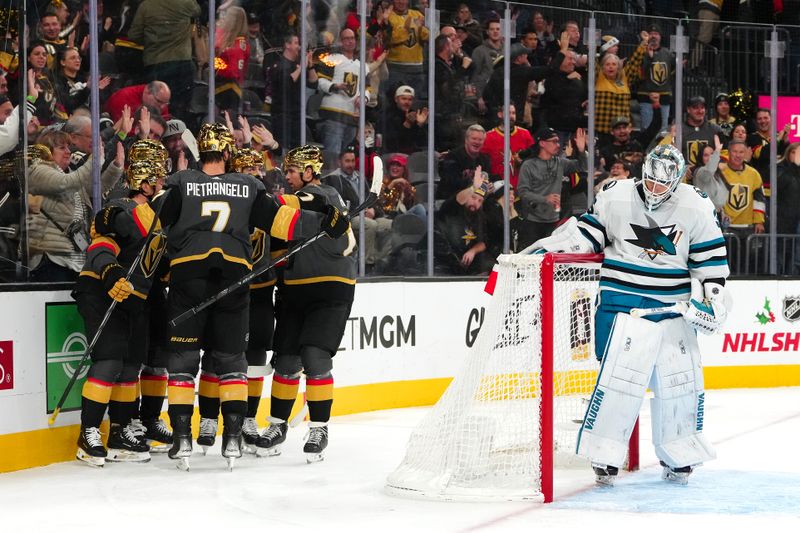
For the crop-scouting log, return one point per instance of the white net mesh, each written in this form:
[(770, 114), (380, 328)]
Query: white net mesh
[(482, 439)]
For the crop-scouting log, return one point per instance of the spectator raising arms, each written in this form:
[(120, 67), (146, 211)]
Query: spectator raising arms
[(613, 86)]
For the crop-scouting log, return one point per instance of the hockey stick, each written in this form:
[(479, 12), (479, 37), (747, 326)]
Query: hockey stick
[(678, 308), (372, 197), (88, 352)]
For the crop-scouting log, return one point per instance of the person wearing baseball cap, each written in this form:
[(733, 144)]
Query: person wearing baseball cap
[(540, 185), (698, 132)]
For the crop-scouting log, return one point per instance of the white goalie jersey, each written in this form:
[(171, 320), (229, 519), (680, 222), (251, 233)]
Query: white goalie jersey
[(654, 253)]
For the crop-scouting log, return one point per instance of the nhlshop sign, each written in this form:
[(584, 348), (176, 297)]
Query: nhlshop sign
[(65, 345)]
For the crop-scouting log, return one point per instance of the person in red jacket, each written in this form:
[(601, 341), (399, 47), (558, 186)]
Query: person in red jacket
[(494, 145), (154, 94)]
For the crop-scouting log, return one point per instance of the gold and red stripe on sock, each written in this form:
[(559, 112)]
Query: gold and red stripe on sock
[(125, 392), (209, 385), (319, 390), (255, 386), (153, 385), (284, 388), (97, 391), (231, 390), (181, 392)]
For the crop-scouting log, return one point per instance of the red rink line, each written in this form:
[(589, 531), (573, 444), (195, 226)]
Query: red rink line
[(587, 487)]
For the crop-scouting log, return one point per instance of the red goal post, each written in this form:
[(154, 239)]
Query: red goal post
[(513, 411)]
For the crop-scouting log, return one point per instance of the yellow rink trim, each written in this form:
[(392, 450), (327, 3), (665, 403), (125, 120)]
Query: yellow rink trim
[(45, 446)]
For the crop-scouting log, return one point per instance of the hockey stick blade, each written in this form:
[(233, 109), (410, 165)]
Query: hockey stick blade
[(52, 419), (372, 198), (678, 308)]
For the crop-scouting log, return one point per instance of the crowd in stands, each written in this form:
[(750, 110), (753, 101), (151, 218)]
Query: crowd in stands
[(153, 84)]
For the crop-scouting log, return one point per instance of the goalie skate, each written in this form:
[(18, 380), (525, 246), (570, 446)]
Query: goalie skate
[(208, 434), (250, 435), (605, 475), (90, 447), (679, 476), (124, 445), (269, 443), (316, 443)]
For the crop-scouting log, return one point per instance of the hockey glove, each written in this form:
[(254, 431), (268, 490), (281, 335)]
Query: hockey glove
[(115, 284), (312, 202), (335, 224), (707, 313), (566, 238)]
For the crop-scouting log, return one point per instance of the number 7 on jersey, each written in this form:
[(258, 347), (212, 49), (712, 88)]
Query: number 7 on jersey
[(223, 211)]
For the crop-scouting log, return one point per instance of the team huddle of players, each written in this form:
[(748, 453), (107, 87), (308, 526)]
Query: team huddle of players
[(204, 230)]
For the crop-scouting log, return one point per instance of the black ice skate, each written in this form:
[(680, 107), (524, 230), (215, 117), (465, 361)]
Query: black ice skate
[(269, 443), (181, 441), (316, 442), (208, 433), (157, 435), (679, 476), (605, 475), (250, 435), (90, 447), (124, 445), (231, 438)]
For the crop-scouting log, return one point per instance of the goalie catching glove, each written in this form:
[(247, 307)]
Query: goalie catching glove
[(114, 282), (566, 238), (335, 224), (708, 307)]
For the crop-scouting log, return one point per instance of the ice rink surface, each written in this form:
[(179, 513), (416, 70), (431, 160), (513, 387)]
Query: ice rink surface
[(753, 485)]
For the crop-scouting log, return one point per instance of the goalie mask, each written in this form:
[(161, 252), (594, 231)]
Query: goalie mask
[(304, 156), (152, 151), (247, 158), (663, 170), (144, 172), (214, 138)]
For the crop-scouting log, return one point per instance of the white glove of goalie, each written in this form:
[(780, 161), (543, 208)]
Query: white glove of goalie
[(708, 307), (566, 238)]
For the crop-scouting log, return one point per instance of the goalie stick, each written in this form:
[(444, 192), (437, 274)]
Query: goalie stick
[(372, 197), (678, 308), (88, 352)]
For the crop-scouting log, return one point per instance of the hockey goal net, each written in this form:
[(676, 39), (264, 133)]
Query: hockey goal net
[(514, 409)]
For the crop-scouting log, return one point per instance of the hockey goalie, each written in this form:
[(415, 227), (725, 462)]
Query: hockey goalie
[(661, 281)]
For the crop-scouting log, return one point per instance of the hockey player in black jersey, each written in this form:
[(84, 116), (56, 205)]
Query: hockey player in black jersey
[(209, 214), (262, 326), (118, 233), (153, 378), (313, 307)]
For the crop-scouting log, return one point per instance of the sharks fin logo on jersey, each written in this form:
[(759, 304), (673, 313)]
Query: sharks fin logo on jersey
[(655, 240)]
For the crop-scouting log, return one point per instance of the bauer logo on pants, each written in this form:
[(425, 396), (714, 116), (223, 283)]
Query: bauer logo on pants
[(65, 344), (6, 365)]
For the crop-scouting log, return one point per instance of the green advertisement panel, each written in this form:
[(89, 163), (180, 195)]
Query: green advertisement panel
[(66, 344)]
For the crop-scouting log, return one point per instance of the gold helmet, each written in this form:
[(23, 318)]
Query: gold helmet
[(214, 138), (150, 150), (144, 172), (246, 157), (304, 156)]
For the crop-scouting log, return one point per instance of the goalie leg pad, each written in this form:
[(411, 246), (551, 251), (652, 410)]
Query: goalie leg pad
[(678, 403), (621, 385)]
